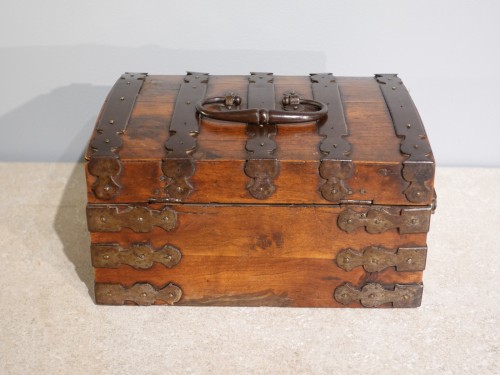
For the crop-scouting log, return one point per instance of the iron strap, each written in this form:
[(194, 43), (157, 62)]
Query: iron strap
[(140, 255), (104, 160), (142, 294), (140, 219), (378, 258), (336, 167), (375, 295), (261, 165), (378, 219), (178, 165), (418, 168)]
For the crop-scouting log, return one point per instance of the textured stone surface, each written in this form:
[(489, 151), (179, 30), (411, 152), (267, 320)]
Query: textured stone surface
[(49, 323)]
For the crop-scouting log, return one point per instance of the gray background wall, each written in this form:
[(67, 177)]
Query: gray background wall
[(59, 58)]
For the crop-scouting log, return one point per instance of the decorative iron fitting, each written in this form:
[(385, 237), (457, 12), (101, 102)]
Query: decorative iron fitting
[(336, 168), (418, 175), (262, 172), (232, 100), (141, 294), (178, 165), (291, 102), (104, 160), (374, 295), (380, 219), (261, 165), (106, 169), (140, 219), (178, 172), (418, 168), (140, 255), (335, 173), (377, 258)]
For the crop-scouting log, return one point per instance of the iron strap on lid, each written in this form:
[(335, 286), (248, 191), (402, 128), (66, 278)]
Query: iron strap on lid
[(418, 168), (104, 159), (261, 165), (336, 167), (178, 165)]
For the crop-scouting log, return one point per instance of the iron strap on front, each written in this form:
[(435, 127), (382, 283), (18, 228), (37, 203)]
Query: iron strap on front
[(375, 295), (418, 168), (104, 160), (261, 165), (178, 165), (378, 258), (140, 255), (336, 167), (142, 294)]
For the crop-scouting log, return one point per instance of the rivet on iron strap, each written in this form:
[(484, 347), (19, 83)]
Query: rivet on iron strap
[(261, 165), (104, 160), (336, 167), (418, 168), (178, 165)]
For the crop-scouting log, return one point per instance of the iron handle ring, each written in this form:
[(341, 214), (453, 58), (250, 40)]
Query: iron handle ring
[(261, 116)]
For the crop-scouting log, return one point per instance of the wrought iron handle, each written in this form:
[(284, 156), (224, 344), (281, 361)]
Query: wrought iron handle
[(261, 116)]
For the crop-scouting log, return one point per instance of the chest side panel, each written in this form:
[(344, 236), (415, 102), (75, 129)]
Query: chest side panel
[(262, 255)]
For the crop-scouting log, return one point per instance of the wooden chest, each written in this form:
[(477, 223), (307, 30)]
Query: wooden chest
[(259, 190)]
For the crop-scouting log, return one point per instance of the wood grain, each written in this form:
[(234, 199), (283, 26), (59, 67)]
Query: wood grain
[(237, 251), (220, 154), (257, 255), (364, 107), (260, 230), (224, 181), (254, 281)]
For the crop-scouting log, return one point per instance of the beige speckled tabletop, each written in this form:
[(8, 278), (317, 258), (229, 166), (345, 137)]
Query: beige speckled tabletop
[(49, 323)]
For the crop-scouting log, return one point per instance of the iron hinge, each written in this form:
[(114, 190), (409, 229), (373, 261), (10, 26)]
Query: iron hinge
[(357, 202)]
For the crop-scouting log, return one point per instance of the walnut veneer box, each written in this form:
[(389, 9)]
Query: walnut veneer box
[(259, 190)]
